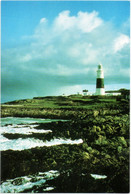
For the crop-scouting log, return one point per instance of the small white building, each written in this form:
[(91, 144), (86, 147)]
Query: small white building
[(85, 92), (112, 93)]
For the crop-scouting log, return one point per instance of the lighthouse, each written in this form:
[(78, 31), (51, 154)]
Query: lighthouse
[(100, 81)]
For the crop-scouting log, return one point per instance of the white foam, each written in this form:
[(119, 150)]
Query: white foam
[(28, 143), (97, 176), (3, 139), (50, 174), (22, 129), (48, 189), (20, 184)]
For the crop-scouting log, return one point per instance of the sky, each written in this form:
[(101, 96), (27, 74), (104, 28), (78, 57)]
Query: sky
[(54, 47)]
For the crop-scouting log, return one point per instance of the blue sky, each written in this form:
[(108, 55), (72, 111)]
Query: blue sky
[(54, 47)]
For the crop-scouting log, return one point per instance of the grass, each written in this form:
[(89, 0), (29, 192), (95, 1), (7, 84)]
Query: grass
[(61, 102), (63, 107)]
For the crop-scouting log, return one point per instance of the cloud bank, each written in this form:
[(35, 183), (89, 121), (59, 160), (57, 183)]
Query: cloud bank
[(64, 54)]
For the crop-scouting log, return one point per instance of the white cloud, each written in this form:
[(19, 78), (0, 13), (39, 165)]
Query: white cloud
[(43, 20), (84, 21), (26, 58), (64, 21), (120, 42), (88, 21)]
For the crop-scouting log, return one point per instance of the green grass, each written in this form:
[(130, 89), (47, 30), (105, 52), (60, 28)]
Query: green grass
[(63, 102), (63, 107)]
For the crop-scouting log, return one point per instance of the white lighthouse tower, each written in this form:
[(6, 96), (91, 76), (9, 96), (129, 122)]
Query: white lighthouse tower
[(100, 81)]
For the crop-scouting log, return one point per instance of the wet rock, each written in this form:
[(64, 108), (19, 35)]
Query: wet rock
[(101, 140), (95, 113), (86, 156), (85, 146)]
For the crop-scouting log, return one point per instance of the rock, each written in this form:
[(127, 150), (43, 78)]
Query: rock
[(119, 149), (93, 129), (96, 113), (122, 141), (86, 156), (89, 149), (54, 163), (98, 129), (68, 133), (107, 156), (85, 146), (101, 140), (103, 127)]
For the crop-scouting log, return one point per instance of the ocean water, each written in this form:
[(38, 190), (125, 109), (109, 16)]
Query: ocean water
[(25, 120), (27, 126), (33, 182)]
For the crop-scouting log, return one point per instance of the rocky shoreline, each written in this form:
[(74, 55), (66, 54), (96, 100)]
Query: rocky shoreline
[(104, 150)]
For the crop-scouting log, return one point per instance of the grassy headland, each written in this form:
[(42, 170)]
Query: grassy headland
[(65, 107)]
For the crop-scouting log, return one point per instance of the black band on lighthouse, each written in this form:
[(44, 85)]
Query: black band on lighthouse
[(100, 83)]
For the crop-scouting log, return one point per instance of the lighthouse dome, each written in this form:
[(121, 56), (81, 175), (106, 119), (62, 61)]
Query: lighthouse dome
[(99, 66)]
